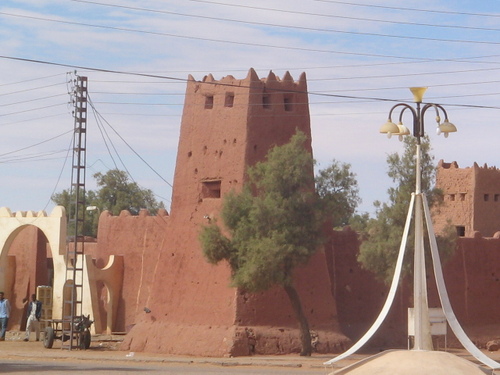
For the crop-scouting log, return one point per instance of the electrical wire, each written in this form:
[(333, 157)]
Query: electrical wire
[(68, 150), (29, 80), (33, 100), (31, 89), (407, 9), (267, 9), (303, 28), (127, 144), (213, 40), (35, 144), (364, 98)]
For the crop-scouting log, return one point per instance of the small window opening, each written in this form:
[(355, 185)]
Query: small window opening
[(497, 197), (266, 101), (211, 189), (209, 102), (486, 197), (460, 230), (452, 197), (229, 102), (288, 102), (462, 196)]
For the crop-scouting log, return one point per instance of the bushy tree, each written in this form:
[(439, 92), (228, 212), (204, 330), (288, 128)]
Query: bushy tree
[(115, 193), (67, 200), (382, 235), (338, 189), (274, 225)]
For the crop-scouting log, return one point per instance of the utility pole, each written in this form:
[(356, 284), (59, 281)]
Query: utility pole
[(73, 287)]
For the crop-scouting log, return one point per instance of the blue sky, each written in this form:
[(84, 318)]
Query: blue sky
[(369, 51)]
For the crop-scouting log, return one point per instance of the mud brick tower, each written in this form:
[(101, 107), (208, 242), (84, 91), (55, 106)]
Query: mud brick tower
[(228, 125), (471, 199)]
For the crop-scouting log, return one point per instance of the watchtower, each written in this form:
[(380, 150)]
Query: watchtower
[(228, 125), (471, 199)]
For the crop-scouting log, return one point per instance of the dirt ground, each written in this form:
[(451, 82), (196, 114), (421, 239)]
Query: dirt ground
[(106, 348)]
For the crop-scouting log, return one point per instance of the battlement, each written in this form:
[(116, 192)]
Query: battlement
[(454, 165), (471, 198), (270, 93), (58, 211), (287, 82)]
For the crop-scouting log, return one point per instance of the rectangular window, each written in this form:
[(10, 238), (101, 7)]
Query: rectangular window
[(497, 197), (229, 102), (486, 197), (211, 189), (209, 102), (266, 101), (288, 102), (460, 230), (452, 197), (462, 196)]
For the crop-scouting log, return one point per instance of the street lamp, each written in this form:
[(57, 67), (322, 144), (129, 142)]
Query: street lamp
[(93, 208), (422, 334), (400, 130)]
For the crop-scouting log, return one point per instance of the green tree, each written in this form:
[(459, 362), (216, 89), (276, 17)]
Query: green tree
[(67, 199), (274, 225), (382, 235), (115, 193), (338, 188)]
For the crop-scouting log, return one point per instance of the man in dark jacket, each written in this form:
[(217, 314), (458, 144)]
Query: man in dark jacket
[(34, 313)]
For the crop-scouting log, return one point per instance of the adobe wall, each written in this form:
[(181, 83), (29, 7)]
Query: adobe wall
[(193, 308), (472, 279)]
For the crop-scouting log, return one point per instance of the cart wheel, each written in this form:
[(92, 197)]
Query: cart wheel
[(48, 339), (85, 339)]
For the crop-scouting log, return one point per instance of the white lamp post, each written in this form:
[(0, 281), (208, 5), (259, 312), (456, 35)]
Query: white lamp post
[(422, 336), (421, 320)]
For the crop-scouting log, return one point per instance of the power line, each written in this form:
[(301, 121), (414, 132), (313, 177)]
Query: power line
[(408, 9), (30, 80), (33, 109), (129, 146), (302, 27), (35, 144), (185, 80), (33, 100), (31, 89), (32, 119), (303, 49)]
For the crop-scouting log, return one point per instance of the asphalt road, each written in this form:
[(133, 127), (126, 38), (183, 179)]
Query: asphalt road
[(37, 366), (103, 357)]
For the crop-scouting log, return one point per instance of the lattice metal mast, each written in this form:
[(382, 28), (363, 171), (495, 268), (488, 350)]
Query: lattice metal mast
[(73, 289)]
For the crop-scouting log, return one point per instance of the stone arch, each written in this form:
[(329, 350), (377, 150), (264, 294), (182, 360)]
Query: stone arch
[(52, 226)]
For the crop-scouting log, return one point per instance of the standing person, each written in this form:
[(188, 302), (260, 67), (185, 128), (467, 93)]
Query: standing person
[(34, 313), (4, 315)]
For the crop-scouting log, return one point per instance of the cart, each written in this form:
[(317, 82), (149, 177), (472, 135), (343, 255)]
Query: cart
[(81, 332)]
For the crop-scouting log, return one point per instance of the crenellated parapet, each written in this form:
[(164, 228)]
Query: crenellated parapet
[(471, 198)]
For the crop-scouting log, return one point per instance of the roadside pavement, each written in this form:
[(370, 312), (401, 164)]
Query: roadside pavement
[(106, 348)]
